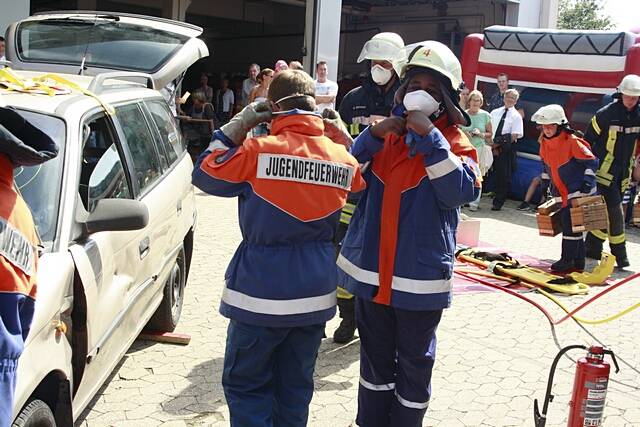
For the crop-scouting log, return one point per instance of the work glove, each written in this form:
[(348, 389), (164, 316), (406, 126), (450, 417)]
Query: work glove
[(250, 116), (422, 136), (334, 128)]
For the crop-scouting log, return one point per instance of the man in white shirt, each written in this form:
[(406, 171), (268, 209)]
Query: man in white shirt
[(326, 90), (249, 83), (224, 102), (508, 127)]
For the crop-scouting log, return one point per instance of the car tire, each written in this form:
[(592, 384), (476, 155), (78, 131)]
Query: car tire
[(166, 317), (35, 414)]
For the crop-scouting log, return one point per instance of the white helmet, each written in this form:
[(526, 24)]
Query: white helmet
[(383, 47), (550, 114), (436, 56), (630, 85)]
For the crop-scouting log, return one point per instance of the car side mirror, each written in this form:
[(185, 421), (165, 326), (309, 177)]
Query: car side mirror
[(116, 215)]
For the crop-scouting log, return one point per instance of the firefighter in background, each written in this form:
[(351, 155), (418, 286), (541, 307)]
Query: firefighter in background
[(613, 134), (21, 144), (281, 283), (571, 166), (397, 257), (359, 108)]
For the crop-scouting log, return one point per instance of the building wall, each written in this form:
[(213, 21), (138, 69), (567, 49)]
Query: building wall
[(538, 13)]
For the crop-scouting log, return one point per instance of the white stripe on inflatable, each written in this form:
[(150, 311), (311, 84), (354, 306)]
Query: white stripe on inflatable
[(552, 86), (555, 61)]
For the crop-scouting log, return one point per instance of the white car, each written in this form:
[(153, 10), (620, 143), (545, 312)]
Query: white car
[(115, 210)]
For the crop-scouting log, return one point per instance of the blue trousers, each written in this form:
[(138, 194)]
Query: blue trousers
[(268, 374), (397, 352), (16, 314), (572, 243)]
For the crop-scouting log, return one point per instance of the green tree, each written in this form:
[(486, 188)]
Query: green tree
[(582, 15)]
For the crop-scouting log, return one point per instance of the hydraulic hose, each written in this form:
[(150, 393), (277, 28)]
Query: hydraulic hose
[(570, 314)]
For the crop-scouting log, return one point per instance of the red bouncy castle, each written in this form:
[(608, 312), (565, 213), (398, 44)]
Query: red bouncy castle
[(576, 69)]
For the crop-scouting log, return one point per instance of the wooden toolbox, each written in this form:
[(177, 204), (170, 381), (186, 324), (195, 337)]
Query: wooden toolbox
[(636, 213), (548, 218), (588, 213)]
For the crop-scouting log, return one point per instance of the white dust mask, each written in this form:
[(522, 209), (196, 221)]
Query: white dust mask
[(380, 75), (420, 100)]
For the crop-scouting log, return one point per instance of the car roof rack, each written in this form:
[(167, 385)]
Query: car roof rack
[(97, 85)]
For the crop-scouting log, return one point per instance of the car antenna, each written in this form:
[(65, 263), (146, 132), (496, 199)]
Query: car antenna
[(86, 48)]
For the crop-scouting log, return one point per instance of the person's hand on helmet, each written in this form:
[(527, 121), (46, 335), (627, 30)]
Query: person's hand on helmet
[(395, 125), (334, 128), (250, 116)]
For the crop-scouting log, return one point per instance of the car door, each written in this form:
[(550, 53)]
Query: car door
[(149, 168), (179, 168), (113, 267), (91, 43)]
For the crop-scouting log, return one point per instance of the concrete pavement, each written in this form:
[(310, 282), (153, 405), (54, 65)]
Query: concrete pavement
[(494, 351)]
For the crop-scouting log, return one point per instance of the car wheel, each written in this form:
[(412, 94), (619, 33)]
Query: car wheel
[(35, 414), (166, 317)]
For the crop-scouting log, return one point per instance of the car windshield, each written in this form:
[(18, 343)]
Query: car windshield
[(105, 43), (40, 185)]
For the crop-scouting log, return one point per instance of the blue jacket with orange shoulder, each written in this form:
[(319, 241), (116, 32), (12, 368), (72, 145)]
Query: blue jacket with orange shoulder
[(18, 262), (569, 164), (400, 246), (291, 186)]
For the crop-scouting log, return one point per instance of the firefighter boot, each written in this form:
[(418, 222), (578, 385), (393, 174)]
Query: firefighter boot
[(578, 262), (619, 250), (593, 246), (347, 327), (563, 264), (569, 254)]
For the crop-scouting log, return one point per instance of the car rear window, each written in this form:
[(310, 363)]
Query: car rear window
[(105, 43)]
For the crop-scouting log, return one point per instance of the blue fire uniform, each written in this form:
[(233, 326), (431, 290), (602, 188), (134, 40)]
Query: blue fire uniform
[(613, 134), (571, 166), (280, 286), (397, 259)]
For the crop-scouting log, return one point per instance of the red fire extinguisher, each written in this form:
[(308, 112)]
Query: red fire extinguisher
[(589, 388)]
